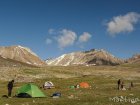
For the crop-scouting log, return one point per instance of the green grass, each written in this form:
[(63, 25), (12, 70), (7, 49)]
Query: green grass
[(101, 90), (102, 80)]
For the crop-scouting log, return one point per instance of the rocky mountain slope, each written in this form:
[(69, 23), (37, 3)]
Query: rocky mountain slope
[(21, 54), (92, 57), (134, 59), (6, 62)]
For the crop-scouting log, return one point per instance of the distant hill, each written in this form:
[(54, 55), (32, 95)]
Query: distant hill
[(92, 57), (134, 59), (21, 54)]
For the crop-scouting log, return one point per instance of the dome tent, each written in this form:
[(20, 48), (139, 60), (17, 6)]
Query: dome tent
[(84, 85), (29, 90), (48, 85)]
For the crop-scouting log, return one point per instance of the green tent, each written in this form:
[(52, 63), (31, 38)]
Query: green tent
[(72, 87), (29, 90)]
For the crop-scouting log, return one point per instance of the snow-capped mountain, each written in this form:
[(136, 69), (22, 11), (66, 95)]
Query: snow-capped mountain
[(92, 57), (22, 54)]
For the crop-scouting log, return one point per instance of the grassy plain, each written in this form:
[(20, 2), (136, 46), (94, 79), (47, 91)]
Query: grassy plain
[(103, 81)]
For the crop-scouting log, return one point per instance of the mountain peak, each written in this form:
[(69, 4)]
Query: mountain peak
[(22, 54), (20, 47), (92, 57), (26, 48)]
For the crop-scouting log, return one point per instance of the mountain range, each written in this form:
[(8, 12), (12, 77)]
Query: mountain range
[(92, 57), (19, 55)]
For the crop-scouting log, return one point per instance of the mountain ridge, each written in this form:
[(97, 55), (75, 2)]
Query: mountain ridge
[(22, 54), (87, 58), (91, 57), (134, 59)]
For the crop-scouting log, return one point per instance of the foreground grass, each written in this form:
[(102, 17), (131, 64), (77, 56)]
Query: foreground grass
[(101, 91), (102, 80)]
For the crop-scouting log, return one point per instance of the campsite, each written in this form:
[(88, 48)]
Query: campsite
[(102, 90), (69, 52)]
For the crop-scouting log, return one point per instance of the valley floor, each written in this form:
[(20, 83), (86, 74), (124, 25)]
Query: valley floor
[(103, 82)]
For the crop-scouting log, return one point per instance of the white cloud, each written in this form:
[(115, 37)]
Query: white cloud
[(48, 41), (84, 37), (123, 23), (66, 38)]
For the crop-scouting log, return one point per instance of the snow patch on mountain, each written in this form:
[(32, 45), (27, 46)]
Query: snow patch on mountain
[(27, 49), (92, 57), (28, 62), (70, 60)]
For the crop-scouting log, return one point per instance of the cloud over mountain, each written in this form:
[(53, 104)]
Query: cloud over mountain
[(65, 37), (123, 23), (84, 37)]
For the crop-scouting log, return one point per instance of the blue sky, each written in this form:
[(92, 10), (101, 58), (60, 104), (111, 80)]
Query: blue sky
[(53, 27)]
